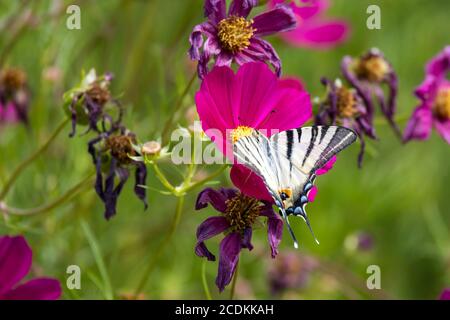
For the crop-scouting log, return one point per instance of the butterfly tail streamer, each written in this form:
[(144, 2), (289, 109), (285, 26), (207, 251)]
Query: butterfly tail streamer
[(291, 232), (306, 219)]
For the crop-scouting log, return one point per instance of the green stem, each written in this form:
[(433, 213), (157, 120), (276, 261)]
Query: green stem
[(163, 178), (178, 105), (21, 167), (67, 196), (161, 249), (233, 284), (204, 281)]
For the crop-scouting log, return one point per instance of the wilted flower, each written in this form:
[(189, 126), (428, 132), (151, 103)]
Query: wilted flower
[(313, 29), (434, 108), (232, 37), (445, 295), (290, 271), (88, 103), (238, 216), (252, 98), (111, 154), (368, 74), (14, 96), (343, 106), (15, 263)]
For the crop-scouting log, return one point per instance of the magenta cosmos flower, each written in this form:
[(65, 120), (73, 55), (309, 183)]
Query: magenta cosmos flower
[(238, 215), (15, 263), (313, 29), (434, 95), (253, 97), (232, 37)]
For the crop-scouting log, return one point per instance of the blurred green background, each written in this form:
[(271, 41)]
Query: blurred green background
[(399, 197)]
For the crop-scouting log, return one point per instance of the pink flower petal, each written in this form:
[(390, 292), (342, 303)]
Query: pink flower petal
[(36, 289), (279, 19), (255, 84), (440, 64), (15, 261), (420, 124), (321, 34), (443, 127), (249, 183), (308, 9)]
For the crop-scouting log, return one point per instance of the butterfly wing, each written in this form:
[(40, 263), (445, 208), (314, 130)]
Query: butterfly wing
[(304, 151), (256, 153), (288, 161)]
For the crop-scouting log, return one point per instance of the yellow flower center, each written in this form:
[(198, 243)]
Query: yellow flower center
[(235, 33), (239, 132), (373, 69), (442, 104), (346, 103), (242, 212)]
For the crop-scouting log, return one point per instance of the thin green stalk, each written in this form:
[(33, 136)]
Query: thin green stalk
[(21, 167), (95, 248), (65, 197), (233, 284), (178, 106), (204, 281), (163, 178), (162, 247)]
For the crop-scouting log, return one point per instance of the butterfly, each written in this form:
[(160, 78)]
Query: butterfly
[(287, 163)]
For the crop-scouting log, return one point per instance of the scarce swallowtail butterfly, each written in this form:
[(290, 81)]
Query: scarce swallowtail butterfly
[(287, 162)]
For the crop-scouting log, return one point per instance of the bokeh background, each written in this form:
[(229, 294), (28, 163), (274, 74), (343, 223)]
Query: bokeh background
[(399, 199)]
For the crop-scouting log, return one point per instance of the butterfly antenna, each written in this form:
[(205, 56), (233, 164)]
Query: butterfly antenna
[(291, 232), (306, 219)]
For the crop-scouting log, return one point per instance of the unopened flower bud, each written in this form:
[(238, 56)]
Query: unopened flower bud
[(151, 148)]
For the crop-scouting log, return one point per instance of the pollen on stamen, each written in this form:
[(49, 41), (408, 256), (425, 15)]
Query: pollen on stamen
[(442, 104), (372, 68), (235, 33), (239, 132)]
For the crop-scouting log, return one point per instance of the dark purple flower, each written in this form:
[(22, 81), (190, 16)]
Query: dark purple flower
[(111, 156), (290, 271), (14, 96), (232, 37), (238, 214), (91, 103), (434, 95), (368, 74), (344, 106), (445, 294), (15, 263)]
